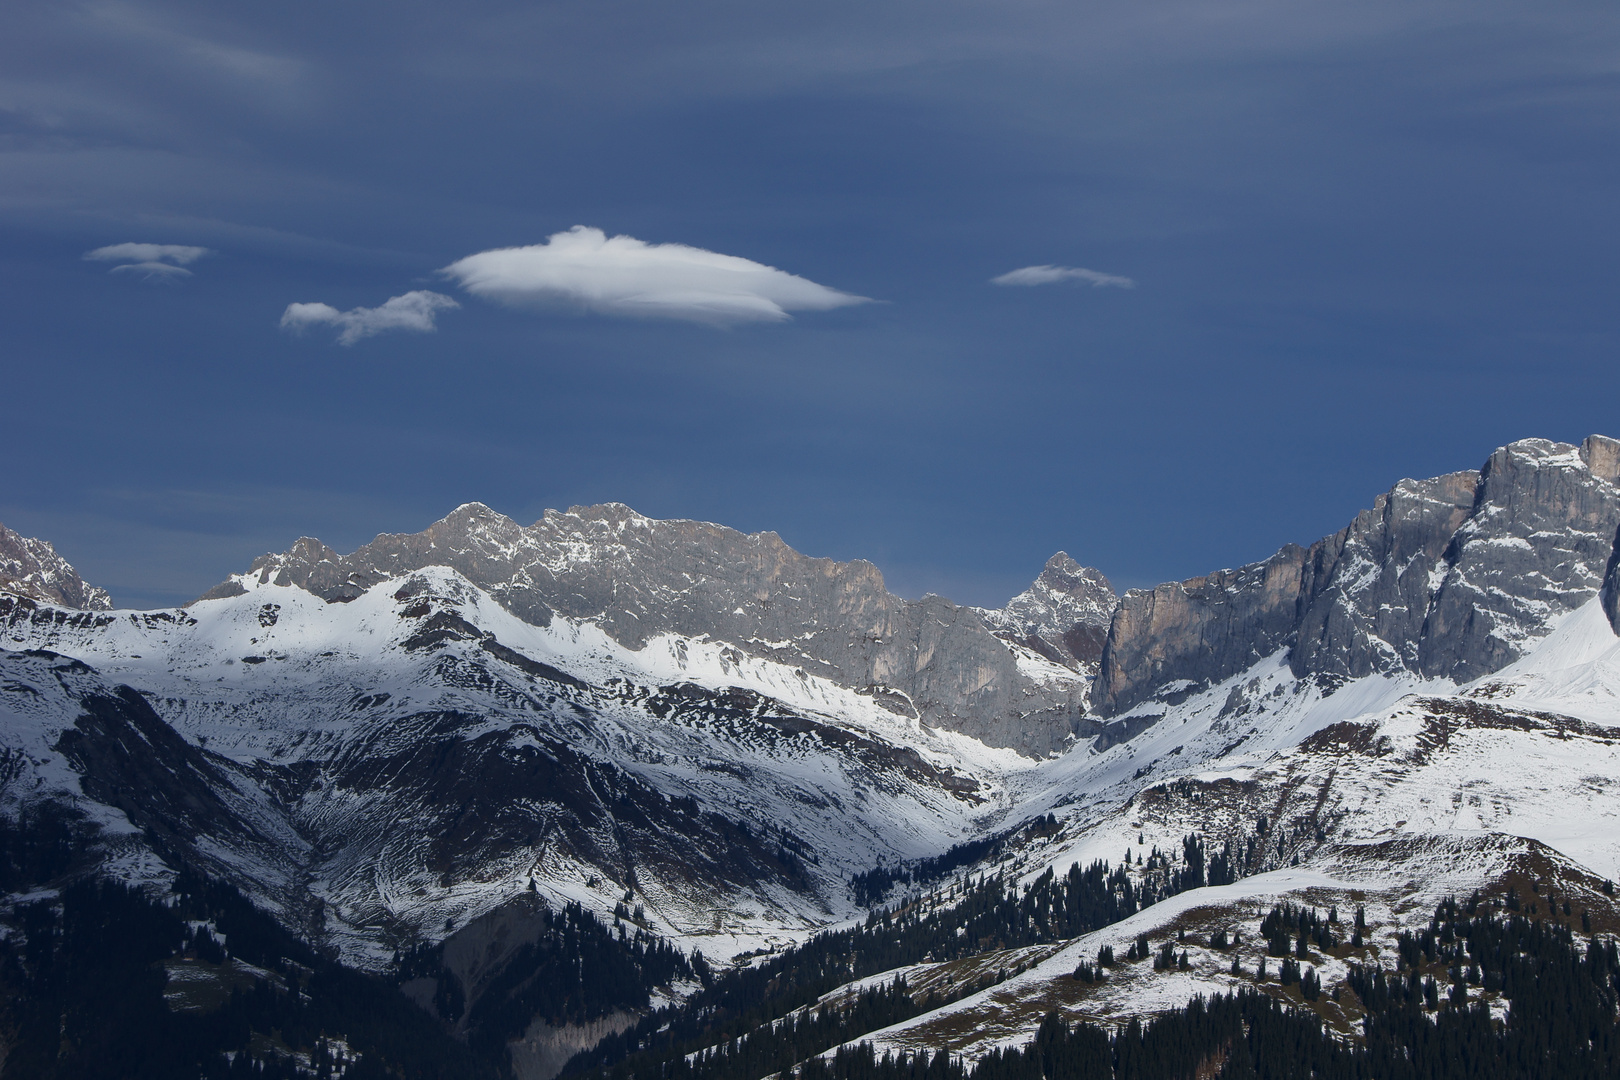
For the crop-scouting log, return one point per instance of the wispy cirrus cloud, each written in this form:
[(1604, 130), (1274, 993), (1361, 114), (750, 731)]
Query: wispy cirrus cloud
[(415, 310), (151, 262), (1050, 275), (623, 276)]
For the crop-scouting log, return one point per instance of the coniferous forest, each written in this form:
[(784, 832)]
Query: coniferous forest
[(1562, 994), (86, 984), (102, 980)]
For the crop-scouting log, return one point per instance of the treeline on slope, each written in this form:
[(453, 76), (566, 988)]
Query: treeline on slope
[(1159, 875), (43, 842), (1563, 994), (84, 977), (872, 887), (1561, 1022), (770, 1049), (577, 970), (738, 1015)]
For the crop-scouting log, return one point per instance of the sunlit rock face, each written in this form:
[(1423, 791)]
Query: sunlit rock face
[(33, 569), (637, 578), (1451, 577), (1064, 615)]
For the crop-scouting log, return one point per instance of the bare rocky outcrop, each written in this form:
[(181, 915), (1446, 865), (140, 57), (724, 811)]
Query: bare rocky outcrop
[(32, 568), (544, 1049), (1536, 546), (1064, 615), (1611, 587), (1200, 630), (1451, 577), (638, 577), (1369, 588)]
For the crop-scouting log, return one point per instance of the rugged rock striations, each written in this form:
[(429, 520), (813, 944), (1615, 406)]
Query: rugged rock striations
[(32, 568), (1448, 578), (428, 756), (1611, 587), (637, 578), (1063, 616)]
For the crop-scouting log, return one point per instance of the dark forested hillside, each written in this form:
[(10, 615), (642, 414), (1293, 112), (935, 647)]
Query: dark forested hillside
[(740, 1023), (1428, 1019), (104, 982)]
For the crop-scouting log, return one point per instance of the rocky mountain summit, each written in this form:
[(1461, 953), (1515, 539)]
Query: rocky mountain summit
[(638, 578), (1064, 615), (454, 759), (33, 569), (1448, 578)]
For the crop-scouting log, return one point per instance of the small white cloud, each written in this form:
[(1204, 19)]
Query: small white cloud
[(171, 254), (1047, 275), (624, 276), (413, 311)]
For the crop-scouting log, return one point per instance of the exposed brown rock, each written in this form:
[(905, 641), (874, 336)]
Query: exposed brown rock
[(33, 569)]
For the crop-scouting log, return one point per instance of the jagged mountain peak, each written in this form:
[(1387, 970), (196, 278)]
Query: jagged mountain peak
[(475, 510), (637, 577), (33, 569), (606, 709), (1449, 578), (1062, 574), (612, 513), (1063, 615)]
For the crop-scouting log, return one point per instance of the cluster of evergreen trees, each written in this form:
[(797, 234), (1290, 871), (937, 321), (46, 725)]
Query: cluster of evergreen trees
[(84, 978), (1220, 1037), (1291, 930), (44, 842), (1562, 995), (871, 887), (1159, 875), (772, 1048), (739, 1015), (980, 915), (1563, 998), (578, 969), (83, 981)]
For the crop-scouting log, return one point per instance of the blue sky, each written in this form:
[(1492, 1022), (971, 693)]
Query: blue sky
[(1365, 241)]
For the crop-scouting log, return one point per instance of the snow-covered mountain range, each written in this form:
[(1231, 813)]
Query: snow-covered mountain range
[(386, 747)]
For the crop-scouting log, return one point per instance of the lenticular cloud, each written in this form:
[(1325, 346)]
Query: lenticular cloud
[(413, 311), (1049, 275), (179, 254), (623, 276), (150, 262)]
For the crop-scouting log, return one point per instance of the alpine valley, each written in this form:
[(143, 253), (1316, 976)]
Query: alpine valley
[(612, 796)]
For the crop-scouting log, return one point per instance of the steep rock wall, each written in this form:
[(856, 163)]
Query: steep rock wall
[(1450, 577), (637, 577)]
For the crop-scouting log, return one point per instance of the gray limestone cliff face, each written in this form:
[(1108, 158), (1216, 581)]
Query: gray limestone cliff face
[(637, 577), (1369, 587), (1198, 631), (1451, 577), (32, 568), (1064, 615), (1611, 587), (1535, 547)]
